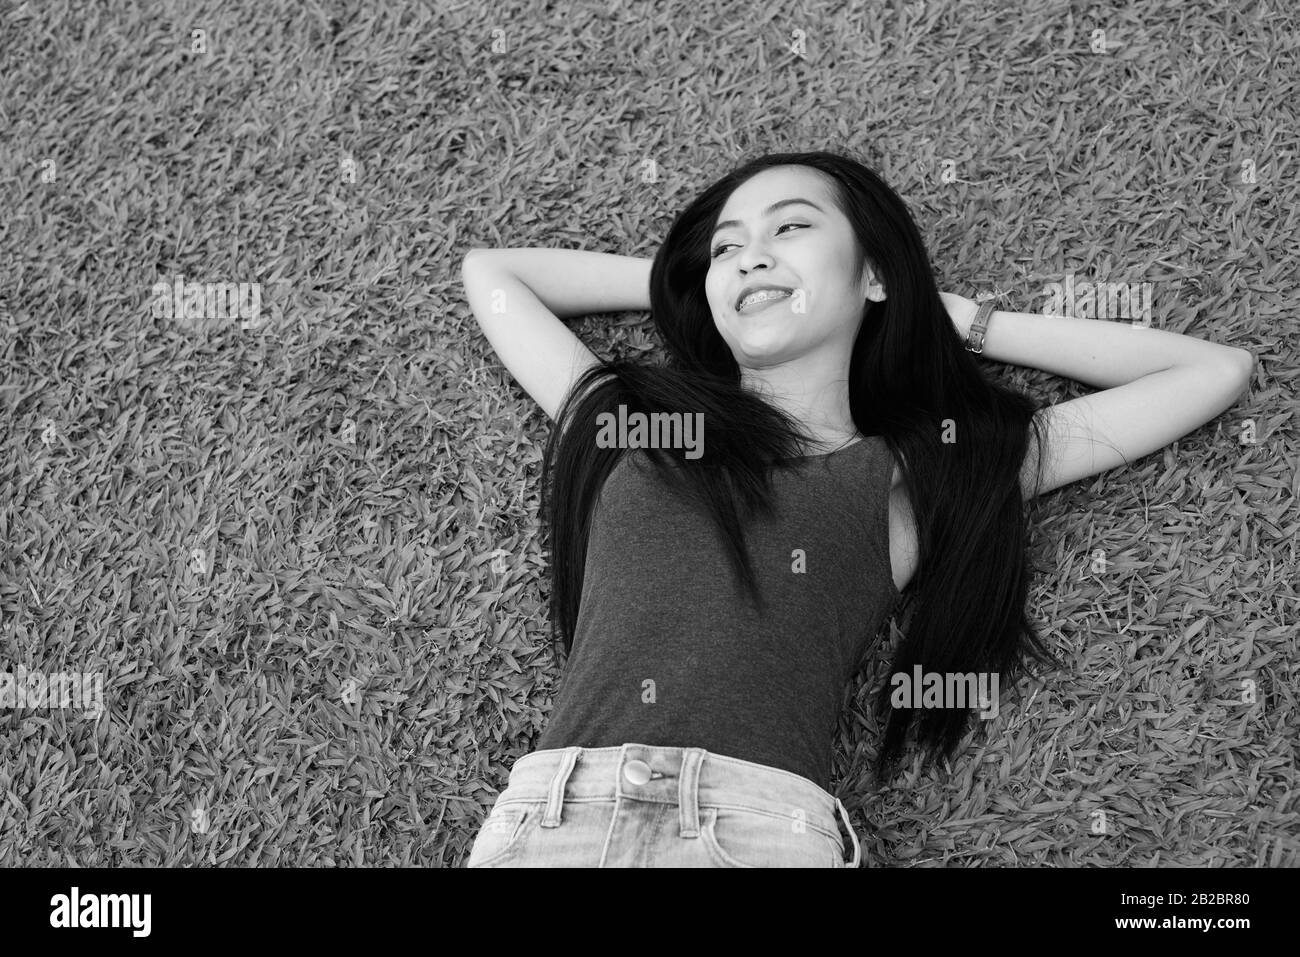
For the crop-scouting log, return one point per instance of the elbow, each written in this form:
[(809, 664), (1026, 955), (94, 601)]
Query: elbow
[(1246, 362), (479, 254), (1243, 365)]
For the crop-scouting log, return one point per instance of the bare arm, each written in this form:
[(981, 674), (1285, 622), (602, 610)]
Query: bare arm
[(1157, 386), (1096, 352), (572, 282), (518, 297)]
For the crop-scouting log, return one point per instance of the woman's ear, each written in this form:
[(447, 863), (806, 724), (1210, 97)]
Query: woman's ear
[(872, 287)]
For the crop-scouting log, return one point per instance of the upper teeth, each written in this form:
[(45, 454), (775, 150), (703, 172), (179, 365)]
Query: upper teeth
[(761, 295)]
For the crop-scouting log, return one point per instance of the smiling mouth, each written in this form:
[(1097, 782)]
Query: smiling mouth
[(766, 298)]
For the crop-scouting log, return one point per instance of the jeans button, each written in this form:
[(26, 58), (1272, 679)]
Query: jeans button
[(637, 772)]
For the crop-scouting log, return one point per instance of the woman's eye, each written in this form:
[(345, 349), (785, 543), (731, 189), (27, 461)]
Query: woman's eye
[(717, 250)]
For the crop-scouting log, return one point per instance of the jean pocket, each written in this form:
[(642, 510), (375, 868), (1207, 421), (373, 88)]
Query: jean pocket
[(736, 837), (500, 834)]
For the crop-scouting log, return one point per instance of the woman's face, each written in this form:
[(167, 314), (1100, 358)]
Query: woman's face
[(806, 249)]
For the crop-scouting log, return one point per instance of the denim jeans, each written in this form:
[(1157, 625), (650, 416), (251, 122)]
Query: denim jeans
[(644, 806)]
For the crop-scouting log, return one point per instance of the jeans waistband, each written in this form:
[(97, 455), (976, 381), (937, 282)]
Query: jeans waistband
[(686, 777)]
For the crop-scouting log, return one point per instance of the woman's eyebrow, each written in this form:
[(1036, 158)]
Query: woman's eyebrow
[(769, 211)]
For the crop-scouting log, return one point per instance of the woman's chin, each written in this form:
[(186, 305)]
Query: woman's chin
[(758, 354)]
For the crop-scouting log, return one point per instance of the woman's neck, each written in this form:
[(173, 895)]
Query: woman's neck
[(825, 441), (823, 411)]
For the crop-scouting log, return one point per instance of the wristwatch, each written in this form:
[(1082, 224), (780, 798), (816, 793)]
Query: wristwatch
[(975, 337)]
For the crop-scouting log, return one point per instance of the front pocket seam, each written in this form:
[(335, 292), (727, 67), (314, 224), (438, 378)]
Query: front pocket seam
[(837, 852), (510, 841), (744, 808), (713, 847), (712, 844)]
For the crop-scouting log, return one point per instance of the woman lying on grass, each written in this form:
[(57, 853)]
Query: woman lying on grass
[(716, 600)]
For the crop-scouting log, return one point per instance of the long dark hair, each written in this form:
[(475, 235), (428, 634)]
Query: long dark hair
[(910, 381)]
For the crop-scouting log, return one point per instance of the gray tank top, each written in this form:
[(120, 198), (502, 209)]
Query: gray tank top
[(669, 648)]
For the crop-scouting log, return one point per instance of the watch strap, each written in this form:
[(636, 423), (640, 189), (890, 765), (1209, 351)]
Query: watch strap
[(975, 337)]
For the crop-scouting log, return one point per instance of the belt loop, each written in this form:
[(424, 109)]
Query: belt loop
[(857, 850), (555, 800), (688, 792)]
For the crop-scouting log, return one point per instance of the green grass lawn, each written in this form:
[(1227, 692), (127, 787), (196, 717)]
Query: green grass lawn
[(301, 549)]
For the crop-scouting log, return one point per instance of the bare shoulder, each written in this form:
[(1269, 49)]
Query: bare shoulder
[(902, 531)]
